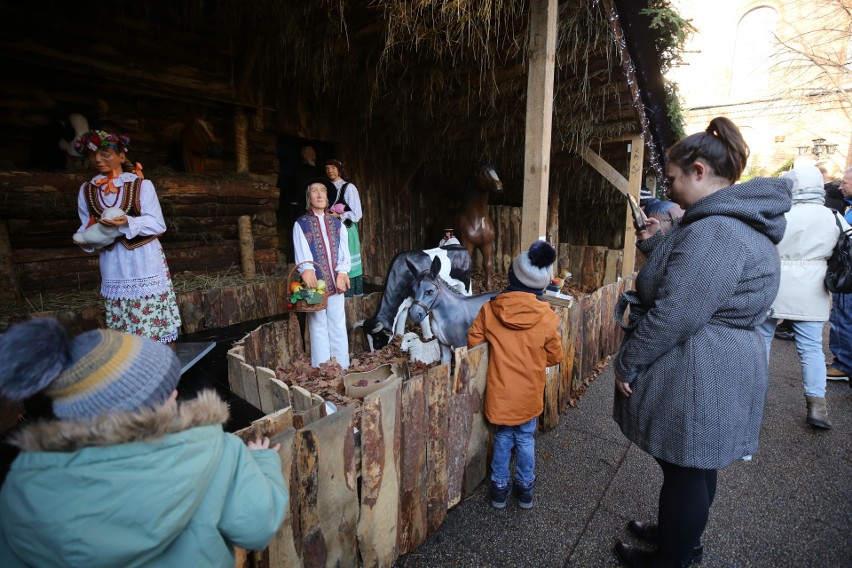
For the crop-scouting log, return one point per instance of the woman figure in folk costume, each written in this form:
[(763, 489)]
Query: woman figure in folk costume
[(347, 196), (135, 280)]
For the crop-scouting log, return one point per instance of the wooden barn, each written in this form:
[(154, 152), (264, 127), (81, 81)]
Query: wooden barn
[(565, 99)]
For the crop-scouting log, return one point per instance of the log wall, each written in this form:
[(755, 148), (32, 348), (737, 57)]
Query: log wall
[(423, 443), (201, 215)]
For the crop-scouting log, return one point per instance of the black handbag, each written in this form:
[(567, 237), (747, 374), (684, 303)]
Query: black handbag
[(838, 277)]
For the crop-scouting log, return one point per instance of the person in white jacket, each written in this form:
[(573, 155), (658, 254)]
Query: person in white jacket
[(802, 297)]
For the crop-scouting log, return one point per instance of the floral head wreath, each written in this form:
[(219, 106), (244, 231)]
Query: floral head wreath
[(95, 140)]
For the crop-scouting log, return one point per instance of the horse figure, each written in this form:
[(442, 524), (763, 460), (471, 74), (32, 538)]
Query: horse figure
[(473, 225), (451, 313)]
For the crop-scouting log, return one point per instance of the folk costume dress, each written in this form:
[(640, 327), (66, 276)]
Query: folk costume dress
[(135, 280), (323, 239), (348, 195)]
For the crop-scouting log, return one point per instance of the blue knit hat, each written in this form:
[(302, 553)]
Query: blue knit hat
[(95, 373)]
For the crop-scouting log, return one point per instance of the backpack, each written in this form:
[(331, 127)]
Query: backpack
[(838, 277)]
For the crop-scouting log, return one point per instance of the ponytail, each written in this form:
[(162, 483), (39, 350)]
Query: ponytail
[(721, 146)]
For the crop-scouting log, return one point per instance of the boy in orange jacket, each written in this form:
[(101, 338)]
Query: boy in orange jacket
[(524, 337)]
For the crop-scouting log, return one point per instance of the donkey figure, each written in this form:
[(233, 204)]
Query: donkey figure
[(451, 313)]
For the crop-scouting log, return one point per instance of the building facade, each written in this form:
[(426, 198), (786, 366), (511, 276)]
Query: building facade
[(780, 69)]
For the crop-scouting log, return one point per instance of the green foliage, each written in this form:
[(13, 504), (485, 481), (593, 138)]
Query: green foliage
[(785, 167), (674, 111), (672, 31)]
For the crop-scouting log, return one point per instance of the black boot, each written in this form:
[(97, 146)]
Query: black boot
[(649, 532), (633, 557)]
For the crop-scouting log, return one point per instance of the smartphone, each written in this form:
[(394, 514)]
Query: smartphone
[(638, 220)]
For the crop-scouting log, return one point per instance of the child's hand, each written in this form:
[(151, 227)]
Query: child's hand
[(262, 444)]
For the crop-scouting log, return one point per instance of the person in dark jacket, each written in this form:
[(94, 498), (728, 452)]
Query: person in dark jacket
[(691, 374), (840, 320)]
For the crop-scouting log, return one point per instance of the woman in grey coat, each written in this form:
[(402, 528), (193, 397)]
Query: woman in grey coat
[(691, 374)]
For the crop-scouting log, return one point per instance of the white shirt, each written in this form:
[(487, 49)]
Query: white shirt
[(303, 250), (131, 273), (352, 199)]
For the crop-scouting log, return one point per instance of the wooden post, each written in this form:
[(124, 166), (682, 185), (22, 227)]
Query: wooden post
[(7, 265), (542, 56), (241, 141), (634, 184), (246, 246)]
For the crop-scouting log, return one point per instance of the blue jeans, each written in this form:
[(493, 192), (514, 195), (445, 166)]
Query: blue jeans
[(840, 336), (521, 438), (809, 346)]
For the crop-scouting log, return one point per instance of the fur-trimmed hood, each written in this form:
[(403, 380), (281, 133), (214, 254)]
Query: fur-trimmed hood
[(159, 487), (143, 425)]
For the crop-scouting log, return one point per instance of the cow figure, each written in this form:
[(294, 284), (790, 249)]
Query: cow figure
[(390, 318)]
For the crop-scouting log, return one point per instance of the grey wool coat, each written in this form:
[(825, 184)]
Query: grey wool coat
[(694, 361)]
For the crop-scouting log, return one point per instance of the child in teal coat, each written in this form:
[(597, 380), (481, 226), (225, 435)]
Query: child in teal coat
[(126, 476)]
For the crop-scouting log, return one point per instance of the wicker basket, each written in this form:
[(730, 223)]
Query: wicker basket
[(302, 305)]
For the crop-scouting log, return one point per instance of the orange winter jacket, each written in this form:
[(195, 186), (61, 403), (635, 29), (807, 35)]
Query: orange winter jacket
[(524, 336)]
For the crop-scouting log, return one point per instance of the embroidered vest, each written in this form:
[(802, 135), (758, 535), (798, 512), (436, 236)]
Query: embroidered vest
[(310, 225), (131, 205)]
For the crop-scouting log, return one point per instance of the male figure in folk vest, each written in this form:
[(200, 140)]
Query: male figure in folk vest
[(320, 238)]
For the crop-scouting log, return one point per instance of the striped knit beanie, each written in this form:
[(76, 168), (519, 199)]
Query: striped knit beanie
[(98, 372), (532, 270)]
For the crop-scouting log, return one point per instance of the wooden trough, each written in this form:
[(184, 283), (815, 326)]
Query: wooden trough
[(422, 443)]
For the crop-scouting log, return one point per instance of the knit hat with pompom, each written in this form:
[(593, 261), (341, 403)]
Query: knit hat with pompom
[(98, 372), (531, 270)]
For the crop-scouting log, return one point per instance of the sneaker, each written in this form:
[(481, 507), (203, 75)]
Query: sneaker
[(499, 495), (785, 335), (835, 374), (524, 495)]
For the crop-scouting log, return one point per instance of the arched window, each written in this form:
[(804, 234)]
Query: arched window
[(753, 51)]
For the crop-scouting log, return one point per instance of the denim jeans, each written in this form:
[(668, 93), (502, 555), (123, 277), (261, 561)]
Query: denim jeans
[(521, 438), (840, 336), (809, 346)]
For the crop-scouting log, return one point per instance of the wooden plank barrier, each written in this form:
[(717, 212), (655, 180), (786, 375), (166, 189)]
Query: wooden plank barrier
[(470, 376), (422, 443), (380, 472), (437, 441), (327, 492), (413, 501)]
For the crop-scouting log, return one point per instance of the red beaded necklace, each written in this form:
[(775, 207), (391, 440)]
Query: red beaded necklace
[(103, 201)]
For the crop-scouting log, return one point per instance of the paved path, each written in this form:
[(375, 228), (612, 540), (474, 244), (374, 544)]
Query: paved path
[(791, 506)]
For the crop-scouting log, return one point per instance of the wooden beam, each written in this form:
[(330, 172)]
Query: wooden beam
[(611, 174), (542, 57), (634, 184)]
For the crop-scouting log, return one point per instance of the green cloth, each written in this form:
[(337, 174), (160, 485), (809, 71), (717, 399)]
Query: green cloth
[(179, 500), (354, 251)]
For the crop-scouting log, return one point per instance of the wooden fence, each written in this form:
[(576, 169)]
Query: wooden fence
[(592, 266), (421, 444)]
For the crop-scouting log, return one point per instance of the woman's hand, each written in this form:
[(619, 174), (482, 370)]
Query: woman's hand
[(652, 225), (309, 277), (342, 281), (117, 222), (622, 387), (262, 444)]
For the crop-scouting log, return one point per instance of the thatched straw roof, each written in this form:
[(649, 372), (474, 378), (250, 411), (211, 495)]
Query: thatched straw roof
[(409, 74)]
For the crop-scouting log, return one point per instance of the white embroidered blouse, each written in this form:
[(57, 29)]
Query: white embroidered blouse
[(136, 273)]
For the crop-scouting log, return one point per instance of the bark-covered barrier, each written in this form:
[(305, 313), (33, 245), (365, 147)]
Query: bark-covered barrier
[(363, 492)]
